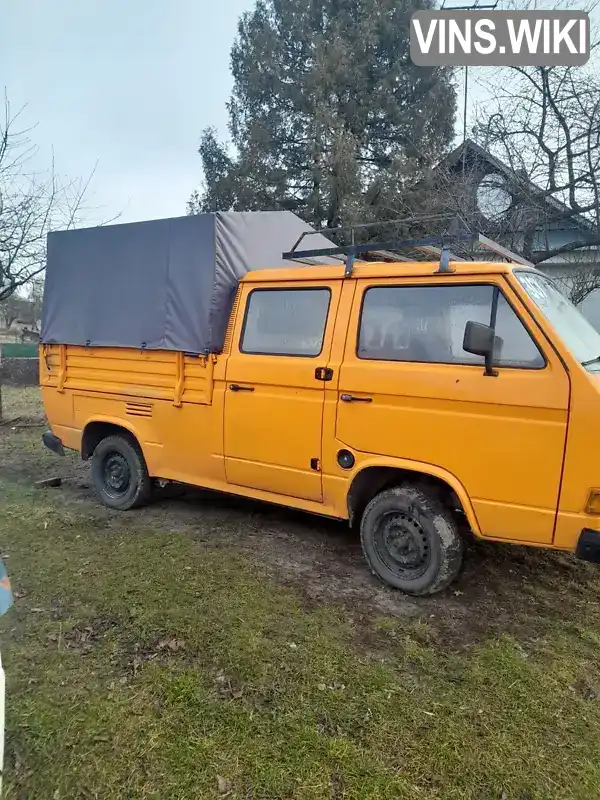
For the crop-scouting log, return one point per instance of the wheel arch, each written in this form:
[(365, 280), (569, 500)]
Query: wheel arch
[(96, 430), (375, 475)]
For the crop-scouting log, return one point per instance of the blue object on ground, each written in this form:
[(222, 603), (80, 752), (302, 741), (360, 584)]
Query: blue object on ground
[(6, 595)]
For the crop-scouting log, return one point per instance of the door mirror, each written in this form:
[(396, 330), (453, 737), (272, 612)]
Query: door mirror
[(480, 340)]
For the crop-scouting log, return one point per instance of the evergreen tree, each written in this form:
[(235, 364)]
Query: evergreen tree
[(329, 117)]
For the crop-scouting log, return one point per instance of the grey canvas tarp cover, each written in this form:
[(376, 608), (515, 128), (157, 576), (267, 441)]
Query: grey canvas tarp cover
[(165, 284)]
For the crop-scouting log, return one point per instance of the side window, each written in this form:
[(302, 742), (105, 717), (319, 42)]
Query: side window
[(427, 324), (517, 348), (285, 322)]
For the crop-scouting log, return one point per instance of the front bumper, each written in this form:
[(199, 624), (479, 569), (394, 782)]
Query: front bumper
[(53, 443)]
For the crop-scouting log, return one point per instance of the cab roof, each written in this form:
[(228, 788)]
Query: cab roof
[(383, 269)]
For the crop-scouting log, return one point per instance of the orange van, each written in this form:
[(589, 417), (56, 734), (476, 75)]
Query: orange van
[(419, 402)]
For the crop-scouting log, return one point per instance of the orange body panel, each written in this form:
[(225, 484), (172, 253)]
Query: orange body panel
[(515, 449), (485, 431)]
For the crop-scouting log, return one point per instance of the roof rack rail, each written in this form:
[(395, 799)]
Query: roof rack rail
[(437, 246), (384, 248)]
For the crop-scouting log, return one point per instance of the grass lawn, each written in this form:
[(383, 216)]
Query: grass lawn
[(151, 659), (20, 402)]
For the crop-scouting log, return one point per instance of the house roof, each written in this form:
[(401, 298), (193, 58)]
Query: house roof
[(471, 147)]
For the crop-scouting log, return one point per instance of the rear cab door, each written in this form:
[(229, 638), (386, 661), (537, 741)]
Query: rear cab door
[(275, 386), (407, 389)]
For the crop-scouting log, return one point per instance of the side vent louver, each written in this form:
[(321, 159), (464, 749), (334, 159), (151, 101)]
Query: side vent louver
[(138, 409), (231, 323)]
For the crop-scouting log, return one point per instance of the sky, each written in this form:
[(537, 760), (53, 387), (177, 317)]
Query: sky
[(122, 86)]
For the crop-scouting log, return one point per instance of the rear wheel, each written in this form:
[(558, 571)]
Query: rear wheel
[(119, 473), (411, 540)]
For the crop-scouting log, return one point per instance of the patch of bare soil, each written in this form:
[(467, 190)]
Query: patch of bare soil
[(502, 589)]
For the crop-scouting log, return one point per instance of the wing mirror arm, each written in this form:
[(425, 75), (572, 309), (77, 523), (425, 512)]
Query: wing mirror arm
[(481, 340), (489, 370)]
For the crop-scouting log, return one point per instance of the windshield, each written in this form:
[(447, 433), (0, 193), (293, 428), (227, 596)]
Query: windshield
[(577, 333)]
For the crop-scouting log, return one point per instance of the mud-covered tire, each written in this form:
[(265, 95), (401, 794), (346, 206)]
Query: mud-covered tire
[(411, 541), (119, 473)]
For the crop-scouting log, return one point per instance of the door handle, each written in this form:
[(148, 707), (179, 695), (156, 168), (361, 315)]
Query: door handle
[(350, 398), (235, 387)]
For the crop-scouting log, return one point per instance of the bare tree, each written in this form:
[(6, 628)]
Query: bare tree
[(531, 177), (544, 123), (36, 296), (31, 204), (580, 277), (9, 311)]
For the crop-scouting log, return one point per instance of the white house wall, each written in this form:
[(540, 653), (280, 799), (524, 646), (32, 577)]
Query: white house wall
[(563, 267)]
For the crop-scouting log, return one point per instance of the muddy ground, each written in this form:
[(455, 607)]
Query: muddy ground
[(502, 589)]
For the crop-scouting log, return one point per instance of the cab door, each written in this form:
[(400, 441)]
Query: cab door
[(408, 389), (275, 388)]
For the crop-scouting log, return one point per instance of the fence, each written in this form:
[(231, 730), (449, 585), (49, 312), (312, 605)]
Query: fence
[(18, 350)]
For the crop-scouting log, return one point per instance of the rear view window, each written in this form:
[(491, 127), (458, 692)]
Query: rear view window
[(427, 324), (288, 322)]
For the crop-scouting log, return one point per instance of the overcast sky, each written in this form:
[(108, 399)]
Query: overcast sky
[(129, 84)]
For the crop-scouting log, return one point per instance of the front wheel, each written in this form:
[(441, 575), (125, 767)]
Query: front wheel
[(411, 541), (119, 473)]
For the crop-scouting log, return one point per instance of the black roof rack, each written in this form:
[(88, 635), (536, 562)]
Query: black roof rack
[(439, 246), (384, 248)]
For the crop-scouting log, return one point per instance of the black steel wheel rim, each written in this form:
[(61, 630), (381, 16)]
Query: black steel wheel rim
[(116, 474), (402, 544)]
